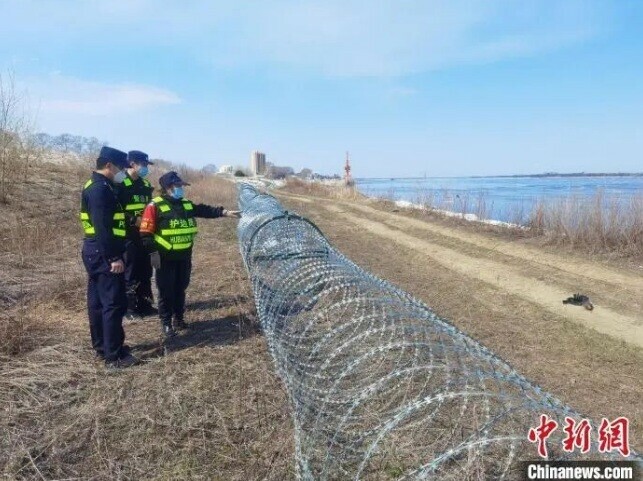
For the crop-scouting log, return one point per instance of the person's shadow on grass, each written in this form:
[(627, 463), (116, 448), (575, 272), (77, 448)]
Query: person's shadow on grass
[(215, 332), (217, 303), (210, 333)]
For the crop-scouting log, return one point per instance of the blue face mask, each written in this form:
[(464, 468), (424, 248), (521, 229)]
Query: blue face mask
[(143, 171), (177, 192), (120, 176)]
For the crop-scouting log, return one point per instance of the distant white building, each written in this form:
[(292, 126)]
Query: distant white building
[(226, 169), (258, 163)]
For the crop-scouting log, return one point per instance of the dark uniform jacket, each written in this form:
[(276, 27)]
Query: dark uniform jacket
[(100, 202), (134, 195)]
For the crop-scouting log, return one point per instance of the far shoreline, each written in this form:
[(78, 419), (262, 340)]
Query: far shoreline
[(512, 176)]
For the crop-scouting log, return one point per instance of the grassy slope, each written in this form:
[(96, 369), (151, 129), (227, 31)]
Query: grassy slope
[(210, 409)]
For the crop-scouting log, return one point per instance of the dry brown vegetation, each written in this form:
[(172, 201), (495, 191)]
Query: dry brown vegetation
[(597, 225), (39, 250), (211, 408), (318, 189)]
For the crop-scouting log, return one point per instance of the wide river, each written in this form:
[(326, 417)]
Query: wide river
[(509, 199)]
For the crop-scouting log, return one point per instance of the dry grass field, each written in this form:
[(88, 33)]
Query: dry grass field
[(212, 407)]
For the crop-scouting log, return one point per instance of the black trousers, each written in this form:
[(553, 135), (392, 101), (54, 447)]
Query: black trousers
[(138, 275), (106, 303), (172, 279)]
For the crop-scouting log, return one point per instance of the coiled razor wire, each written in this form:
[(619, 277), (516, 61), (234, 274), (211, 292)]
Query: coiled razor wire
[(381, 387)]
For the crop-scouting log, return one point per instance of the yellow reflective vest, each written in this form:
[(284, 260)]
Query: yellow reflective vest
[(175, 224), (118, 228)]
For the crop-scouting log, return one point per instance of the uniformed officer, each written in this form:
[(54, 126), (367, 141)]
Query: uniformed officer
[(168, 229), (103, 221), (134, 193)]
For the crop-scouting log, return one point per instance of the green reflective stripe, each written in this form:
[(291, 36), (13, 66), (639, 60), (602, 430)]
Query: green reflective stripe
[(163, 242), (134, 206), (88, 183), (88, 228), (160, 202), (127, 182), (119, 222), (147, 183), (177, 247), (188, 205), (117, 216), (184, 230)]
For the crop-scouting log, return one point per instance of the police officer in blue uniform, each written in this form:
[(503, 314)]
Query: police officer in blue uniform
[(103, 221), (134, 193)]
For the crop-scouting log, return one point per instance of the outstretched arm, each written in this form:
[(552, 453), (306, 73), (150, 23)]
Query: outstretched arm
[(212, 212)]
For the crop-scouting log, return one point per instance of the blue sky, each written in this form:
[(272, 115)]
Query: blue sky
[(442, 87)]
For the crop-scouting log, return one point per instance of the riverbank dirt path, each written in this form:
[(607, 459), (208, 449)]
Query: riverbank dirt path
[(508, 295)]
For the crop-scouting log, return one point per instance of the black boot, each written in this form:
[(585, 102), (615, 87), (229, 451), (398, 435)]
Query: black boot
[(132, 314), (127, 360), (168, 330), (145, 308), (180, 324)]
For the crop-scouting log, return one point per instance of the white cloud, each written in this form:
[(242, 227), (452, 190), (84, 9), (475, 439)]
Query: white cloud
[(62, 94), (333, 37), (384, 38)]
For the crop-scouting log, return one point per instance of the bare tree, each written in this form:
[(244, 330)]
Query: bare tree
[(65, 142), (277, 172), (18, 147), (9, 125)]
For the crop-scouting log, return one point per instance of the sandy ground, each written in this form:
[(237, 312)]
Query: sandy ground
[(506, 274), (508, 295)]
